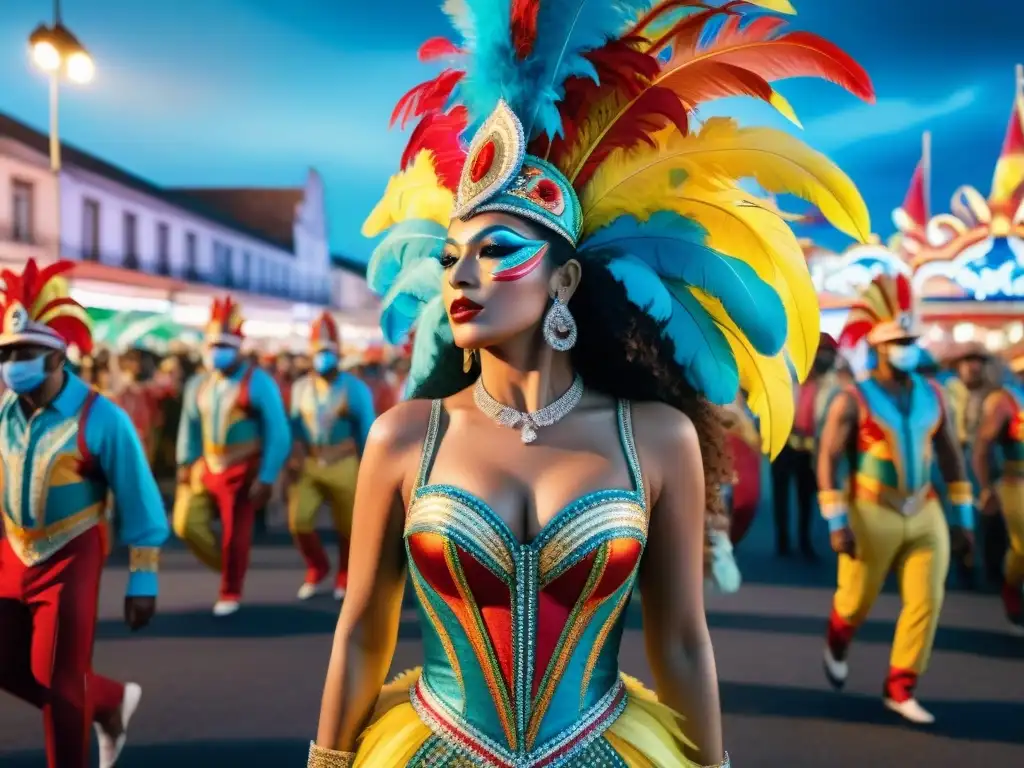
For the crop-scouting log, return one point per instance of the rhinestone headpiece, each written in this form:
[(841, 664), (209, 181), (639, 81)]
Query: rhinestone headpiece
[(500, 176)]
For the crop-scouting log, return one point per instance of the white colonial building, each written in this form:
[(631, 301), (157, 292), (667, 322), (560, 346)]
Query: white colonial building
[(151, 248)]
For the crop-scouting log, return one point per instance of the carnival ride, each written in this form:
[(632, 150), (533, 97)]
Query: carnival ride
[(967, 264)]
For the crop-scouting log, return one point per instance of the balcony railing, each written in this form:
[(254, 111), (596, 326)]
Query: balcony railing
[(320, 295)]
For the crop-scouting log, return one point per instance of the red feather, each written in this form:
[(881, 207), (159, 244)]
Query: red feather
[(431, 96), (65, 301), (438, 48), (524, 26), (73, 331), (903, 295), (439, 133)]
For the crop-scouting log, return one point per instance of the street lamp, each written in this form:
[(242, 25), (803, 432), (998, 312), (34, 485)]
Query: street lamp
[(58, 53)]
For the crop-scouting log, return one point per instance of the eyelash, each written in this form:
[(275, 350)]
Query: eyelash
[(489, 251)]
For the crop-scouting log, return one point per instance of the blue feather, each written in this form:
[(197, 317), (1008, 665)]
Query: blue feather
[(566, 30), (674, 247), (402, 304), (702, 351), (643, 286), (432, 332), (406, 243)]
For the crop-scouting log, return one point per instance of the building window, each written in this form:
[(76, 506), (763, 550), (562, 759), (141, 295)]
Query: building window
[(90, 229), (163, 249), (245, 279), (22, 213), (131, 240), (221, 263), (191, 256)]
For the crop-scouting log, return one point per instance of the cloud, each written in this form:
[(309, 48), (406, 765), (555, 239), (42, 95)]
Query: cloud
[(864, 122)]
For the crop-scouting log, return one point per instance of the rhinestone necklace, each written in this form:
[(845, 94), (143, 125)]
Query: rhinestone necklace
[(528, 423)]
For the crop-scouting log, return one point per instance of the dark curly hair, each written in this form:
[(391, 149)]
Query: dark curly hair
[(623, 352)]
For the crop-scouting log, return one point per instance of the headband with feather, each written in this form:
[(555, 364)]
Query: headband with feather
[(884, 312), (226, 321), (580, 115), (36, 308)]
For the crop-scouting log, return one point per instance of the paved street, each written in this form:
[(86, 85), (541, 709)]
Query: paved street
[(244, 692)]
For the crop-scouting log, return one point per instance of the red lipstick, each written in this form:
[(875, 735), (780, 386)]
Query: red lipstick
[(463, 310)]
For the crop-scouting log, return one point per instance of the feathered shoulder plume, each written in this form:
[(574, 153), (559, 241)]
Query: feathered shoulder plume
[(582, 114), (36, 308)]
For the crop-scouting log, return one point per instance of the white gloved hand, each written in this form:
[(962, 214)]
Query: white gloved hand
[(724, 573)]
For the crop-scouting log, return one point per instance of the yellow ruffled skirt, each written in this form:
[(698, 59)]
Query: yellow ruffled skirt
[(645, 735)]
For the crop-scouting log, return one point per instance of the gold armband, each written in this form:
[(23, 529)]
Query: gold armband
[(319, 757), (144, 559), (832, 503), (960, 492)]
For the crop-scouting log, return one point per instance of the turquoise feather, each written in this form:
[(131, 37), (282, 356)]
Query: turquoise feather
[(566, 30), (701, 350), (643, 286), (414, 287), (674, 248), (432, 332), (406, 243)]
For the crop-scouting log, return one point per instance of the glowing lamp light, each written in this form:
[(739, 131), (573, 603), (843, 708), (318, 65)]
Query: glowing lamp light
[(46, 56), (80, 68), (963, 332), (1015, 332)]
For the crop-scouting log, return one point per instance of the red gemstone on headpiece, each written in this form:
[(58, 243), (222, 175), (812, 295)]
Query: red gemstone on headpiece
[(547, 191), (483, 161)]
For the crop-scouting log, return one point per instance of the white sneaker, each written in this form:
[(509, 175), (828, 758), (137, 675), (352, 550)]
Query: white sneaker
[(910, 710), (110, 749), (307, 590), (339, 593), (835, 670), (225, 607)]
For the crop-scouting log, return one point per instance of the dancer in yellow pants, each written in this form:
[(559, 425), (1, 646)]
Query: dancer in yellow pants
[(331, 416), (998, 458), (885, 514)]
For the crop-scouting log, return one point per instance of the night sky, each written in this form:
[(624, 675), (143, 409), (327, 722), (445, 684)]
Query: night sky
[(253, 92)]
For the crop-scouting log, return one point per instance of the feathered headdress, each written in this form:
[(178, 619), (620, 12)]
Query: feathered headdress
[(225, 326), (36, 308), (884, 312), (324, 334), (580, 115)]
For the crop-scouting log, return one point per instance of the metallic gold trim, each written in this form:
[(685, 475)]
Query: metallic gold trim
[(320, 757), (144, 559)]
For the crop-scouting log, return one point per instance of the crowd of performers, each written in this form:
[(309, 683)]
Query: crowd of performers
[(587, 276)]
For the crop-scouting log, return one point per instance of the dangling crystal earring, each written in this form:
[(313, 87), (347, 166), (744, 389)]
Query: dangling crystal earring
[(467, 359), (559, 327)]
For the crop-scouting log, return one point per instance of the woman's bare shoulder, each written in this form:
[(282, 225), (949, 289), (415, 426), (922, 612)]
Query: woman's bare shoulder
[(660, 427), (400, 428)]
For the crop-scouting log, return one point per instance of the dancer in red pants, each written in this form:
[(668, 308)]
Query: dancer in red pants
[(64, 449), (233, 441)]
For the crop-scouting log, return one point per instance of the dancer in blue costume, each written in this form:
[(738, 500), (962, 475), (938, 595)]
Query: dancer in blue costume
[(584, 281)]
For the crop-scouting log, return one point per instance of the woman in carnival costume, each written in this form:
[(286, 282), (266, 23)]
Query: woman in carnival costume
[(584, 279)]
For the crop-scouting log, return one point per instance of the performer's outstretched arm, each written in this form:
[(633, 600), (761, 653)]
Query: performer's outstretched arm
[(672, 581), (277, 434), (190, 430), (112, 438), (995, 421), (367, 631), (954, 471), (836, 443), (360, 403)]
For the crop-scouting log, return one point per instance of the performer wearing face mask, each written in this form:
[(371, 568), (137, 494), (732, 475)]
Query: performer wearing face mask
[(331, 416), (64, 449), (885, 516), (233, 441)]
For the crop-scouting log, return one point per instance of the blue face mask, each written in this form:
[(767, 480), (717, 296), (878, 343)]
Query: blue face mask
[(325, 361), (24, 376), (222, 358), (904, 357)]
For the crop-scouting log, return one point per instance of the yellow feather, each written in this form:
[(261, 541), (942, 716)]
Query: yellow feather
[(766, 380), (784, 108), (68, 310), (780, 163), (56, 288), (778, 6), (414, 193)]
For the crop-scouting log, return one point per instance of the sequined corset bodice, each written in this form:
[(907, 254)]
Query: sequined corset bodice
[(521, 640)]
